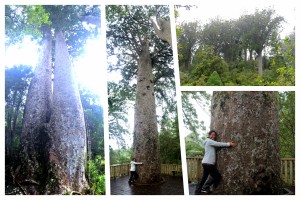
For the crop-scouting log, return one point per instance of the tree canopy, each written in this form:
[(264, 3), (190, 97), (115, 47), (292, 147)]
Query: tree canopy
[(242, 51), (127, 27)]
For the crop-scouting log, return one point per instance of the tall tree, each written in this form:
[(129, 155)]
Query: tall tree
[(188, 40), (250, 119), (37, 113), (54, 136), (67, 124), (142, 54), (263, 24)]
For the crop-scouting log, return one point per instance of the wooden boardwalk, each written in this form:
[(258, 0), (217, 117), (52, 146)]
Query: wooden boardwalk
[(173, 185)]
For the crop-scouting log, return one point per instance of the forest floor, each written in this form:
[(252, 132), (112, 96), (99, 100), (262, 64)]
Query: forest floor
[(173, 185)]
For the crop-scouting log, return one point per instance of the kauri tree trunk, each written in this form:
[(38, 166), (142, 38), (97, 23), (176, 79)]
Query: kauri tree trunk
[(34, 136), (250, 119), (145, 139), (260, 64), (68, 141)]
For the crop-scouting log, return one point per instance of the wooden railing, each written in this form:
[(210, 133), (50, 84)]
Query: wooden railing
[(119, 170), (123, 170), (194, 168), (170, 169), (287, 169)]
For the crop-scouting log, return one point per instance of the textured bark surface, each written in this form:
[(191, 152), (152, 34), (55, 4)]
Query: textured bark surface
[(68, 139), (260, 63), (250, 119), (162, 29), (37, 113), (145, 139)]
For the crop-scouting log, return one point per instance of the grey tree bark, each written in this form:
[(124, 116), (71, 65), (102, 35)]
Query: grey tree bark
[(260, 64), (250, 119), (145, 140), (68, 139), (162, 29), (37, 113)]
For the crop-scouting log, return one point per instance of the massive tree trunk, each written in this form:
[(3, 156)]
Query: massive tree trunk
[(250, 119), (36, 114), (145, 140), (68, 139)]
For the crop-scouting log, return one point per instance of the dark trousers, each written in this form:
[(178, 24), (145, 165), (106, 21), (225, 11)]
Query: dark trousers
[(208, 169), (133, 176)]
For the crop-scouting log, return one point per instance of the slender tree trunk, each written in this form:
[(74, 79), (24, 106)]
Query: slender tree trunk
[(245, 54), (8, 133), (250, 119), (36, 114), (260, 63), (145, 140), (251, 54), (68, 140), (186, 65), (16, 111)]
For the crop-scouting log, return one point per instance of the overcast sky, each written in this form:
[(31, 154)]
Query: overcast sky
[(233, 9)]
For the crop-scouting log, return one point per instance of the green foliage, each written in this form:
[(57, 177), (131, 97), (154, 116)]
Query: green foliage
[(205, 62), (118, 97), (229, 47), (127, 27), (17, 81), (282, 63), (214, 80), (120, 156), (194, 146), (188, 37), (96, 177), (36, 17), (287, 124), (36, 20), (93, 114), (191, 100), (169, 141)]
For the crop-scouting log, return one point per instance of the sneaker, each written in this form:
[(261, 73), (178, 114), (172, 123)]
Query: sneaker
[(204, 191)]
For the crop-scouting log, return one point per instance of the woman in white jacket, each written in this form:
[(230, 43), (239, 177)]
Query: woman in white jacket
[(133, 174), (209, 162)]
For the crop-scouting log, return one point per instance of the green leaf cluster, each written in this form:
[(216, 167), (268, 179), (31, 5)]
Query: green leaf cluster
[(287, 123), (96, 177)]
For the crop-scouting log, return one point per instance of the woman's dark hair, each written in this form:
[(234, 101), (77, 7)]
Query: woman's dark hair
[(211, 131)]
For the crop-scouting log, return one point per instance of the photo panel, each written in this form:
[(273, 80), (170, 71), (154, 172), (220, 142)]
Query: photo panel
[(54, 135), (145, 156), (249, 45), (240, 142)]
